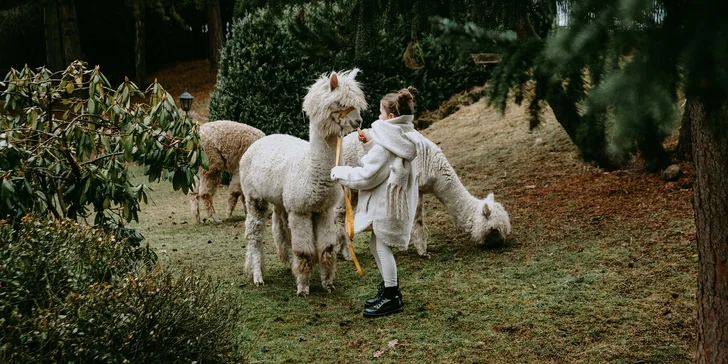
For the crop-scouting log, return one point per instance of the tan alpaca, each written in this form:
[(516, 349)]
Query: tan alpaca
[(224, 143)]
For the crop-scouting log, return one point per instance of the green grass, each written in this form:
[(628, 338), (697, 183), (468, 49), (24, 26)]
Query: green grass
[(589, 274), (584, 294)]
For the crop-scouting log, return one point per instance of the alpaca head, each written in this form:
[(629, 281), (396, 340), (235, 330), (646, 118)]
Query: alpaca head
[(334, 104), (490, 221)]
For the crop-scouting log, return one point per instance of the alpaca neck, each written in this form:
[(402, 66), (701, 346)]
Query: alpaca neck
[(322, 160), (452, 193)]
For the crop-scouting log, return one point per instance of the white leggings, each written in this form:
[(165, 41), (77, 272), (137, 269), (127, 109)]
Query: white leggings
[(385, 261)]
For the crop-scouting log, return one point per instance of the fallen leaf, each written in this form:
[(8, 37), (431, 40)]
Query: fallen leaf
[(393, 343), (378, 353)]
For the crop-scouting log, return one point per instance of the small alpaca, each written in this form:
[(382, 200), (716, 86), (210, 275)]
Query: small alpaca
[(486, 220), (224, 143), (294, 176)]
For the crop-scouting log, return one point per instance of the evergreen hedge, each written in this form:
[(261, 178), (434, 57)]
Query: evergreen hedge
[(271, 57)]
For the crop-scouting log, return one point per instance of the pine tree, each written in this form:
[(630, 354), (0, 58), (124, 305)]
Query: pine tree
[(623, 62), (657, 47)]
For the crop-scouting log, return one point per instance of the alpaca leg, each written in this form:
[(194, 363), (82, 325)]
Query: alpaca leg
[(194, 202), (209, 180), (235, 192), (281, 235), (304, 250), (326, 233), (340, 222), (419, 234), (254, 228)]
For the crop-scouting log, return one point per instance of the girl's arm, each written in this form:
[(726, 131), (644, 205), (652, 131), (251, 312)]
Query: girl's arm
[(374, 170)]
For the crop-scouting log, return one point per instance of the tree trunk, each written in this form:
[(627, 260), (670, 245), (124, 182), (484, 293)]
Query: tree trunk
[(140, 54), (567, 115), (710, 157), (54, 46), (214, 22), (565, 109), (684, 145), (69, 31)]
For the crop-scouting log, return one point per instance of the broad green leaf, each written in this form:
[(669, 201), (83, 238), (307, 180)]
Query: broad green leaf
[(193, 160), (106, 143), (125, 97), (8, 189), (204, 163)]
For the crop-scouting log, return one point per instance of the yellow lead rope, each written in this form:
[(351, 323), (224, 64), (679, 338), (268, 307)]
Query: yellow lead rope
[(349, 216)]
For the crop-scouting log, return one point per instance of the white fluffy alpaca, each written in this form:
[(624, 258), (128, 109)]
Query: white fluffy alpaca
[(224, 143), (294, 176), (483, 219)]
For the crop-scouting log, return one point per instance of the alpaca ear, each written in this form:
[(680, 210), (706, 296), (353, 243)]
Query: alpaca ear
[(333, 82), (486, 211), (490, 197)]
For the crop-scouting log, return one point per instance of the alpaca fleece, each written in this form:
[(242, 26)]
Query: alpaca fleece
[(224, 142), (294, 176)]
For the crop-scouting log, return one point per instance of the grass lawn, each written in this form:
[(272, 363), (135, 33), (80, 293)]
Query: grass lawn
[(600, 266)]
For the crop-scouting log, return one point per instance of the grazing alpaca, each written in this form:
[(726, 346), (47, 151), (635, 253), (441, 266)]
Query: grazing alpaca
[(224, 143), (294, 176), (483, 219)]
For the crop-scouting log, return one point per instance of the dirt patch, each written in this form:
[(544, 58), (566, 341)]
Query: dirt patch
[(538, 174)]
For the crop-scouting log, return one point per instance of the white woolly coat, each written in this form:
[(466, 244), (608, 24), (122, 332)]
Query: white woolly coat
[(390, 155)]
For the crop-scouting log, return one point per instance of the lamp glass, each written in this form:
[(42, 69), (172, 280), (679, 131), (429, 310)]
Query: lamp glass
[(186, 100)]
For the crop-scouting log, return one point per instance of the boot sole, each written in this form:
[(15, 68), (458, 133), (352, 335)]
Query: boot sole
[(366, 305), (371, 315)]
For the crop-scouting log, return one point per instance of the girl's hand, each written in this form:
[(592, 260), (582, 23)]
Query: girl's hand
[(334, 176), (363, 137)]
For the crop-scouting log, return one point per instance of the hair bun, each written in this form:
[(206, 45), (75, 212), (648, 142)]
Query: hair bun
[(406, 95), (412, 90)]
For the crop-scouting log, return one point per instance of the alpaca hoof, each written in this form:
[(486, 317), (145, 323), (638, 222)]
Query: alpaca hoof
[(329, 287), (425, 255), (258, 281), (302, 292)]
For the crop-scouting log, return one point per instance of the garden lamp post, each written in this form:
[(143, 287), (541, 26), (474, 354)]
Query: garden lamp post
[(186, 100)]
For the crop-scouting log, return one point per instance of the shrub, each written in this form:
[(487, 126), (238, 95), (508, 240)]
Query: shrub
[(272, 56), (69, 293), (67, 138), (262, 76)]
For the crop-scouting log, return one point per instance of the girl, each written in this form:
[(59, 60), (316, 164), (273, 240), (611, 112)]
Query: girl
[(387, 184)]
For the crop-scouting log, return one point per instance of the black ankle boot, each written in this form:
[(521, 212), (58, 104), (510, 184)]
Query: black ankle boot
[(372, 300), (390, 302)]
